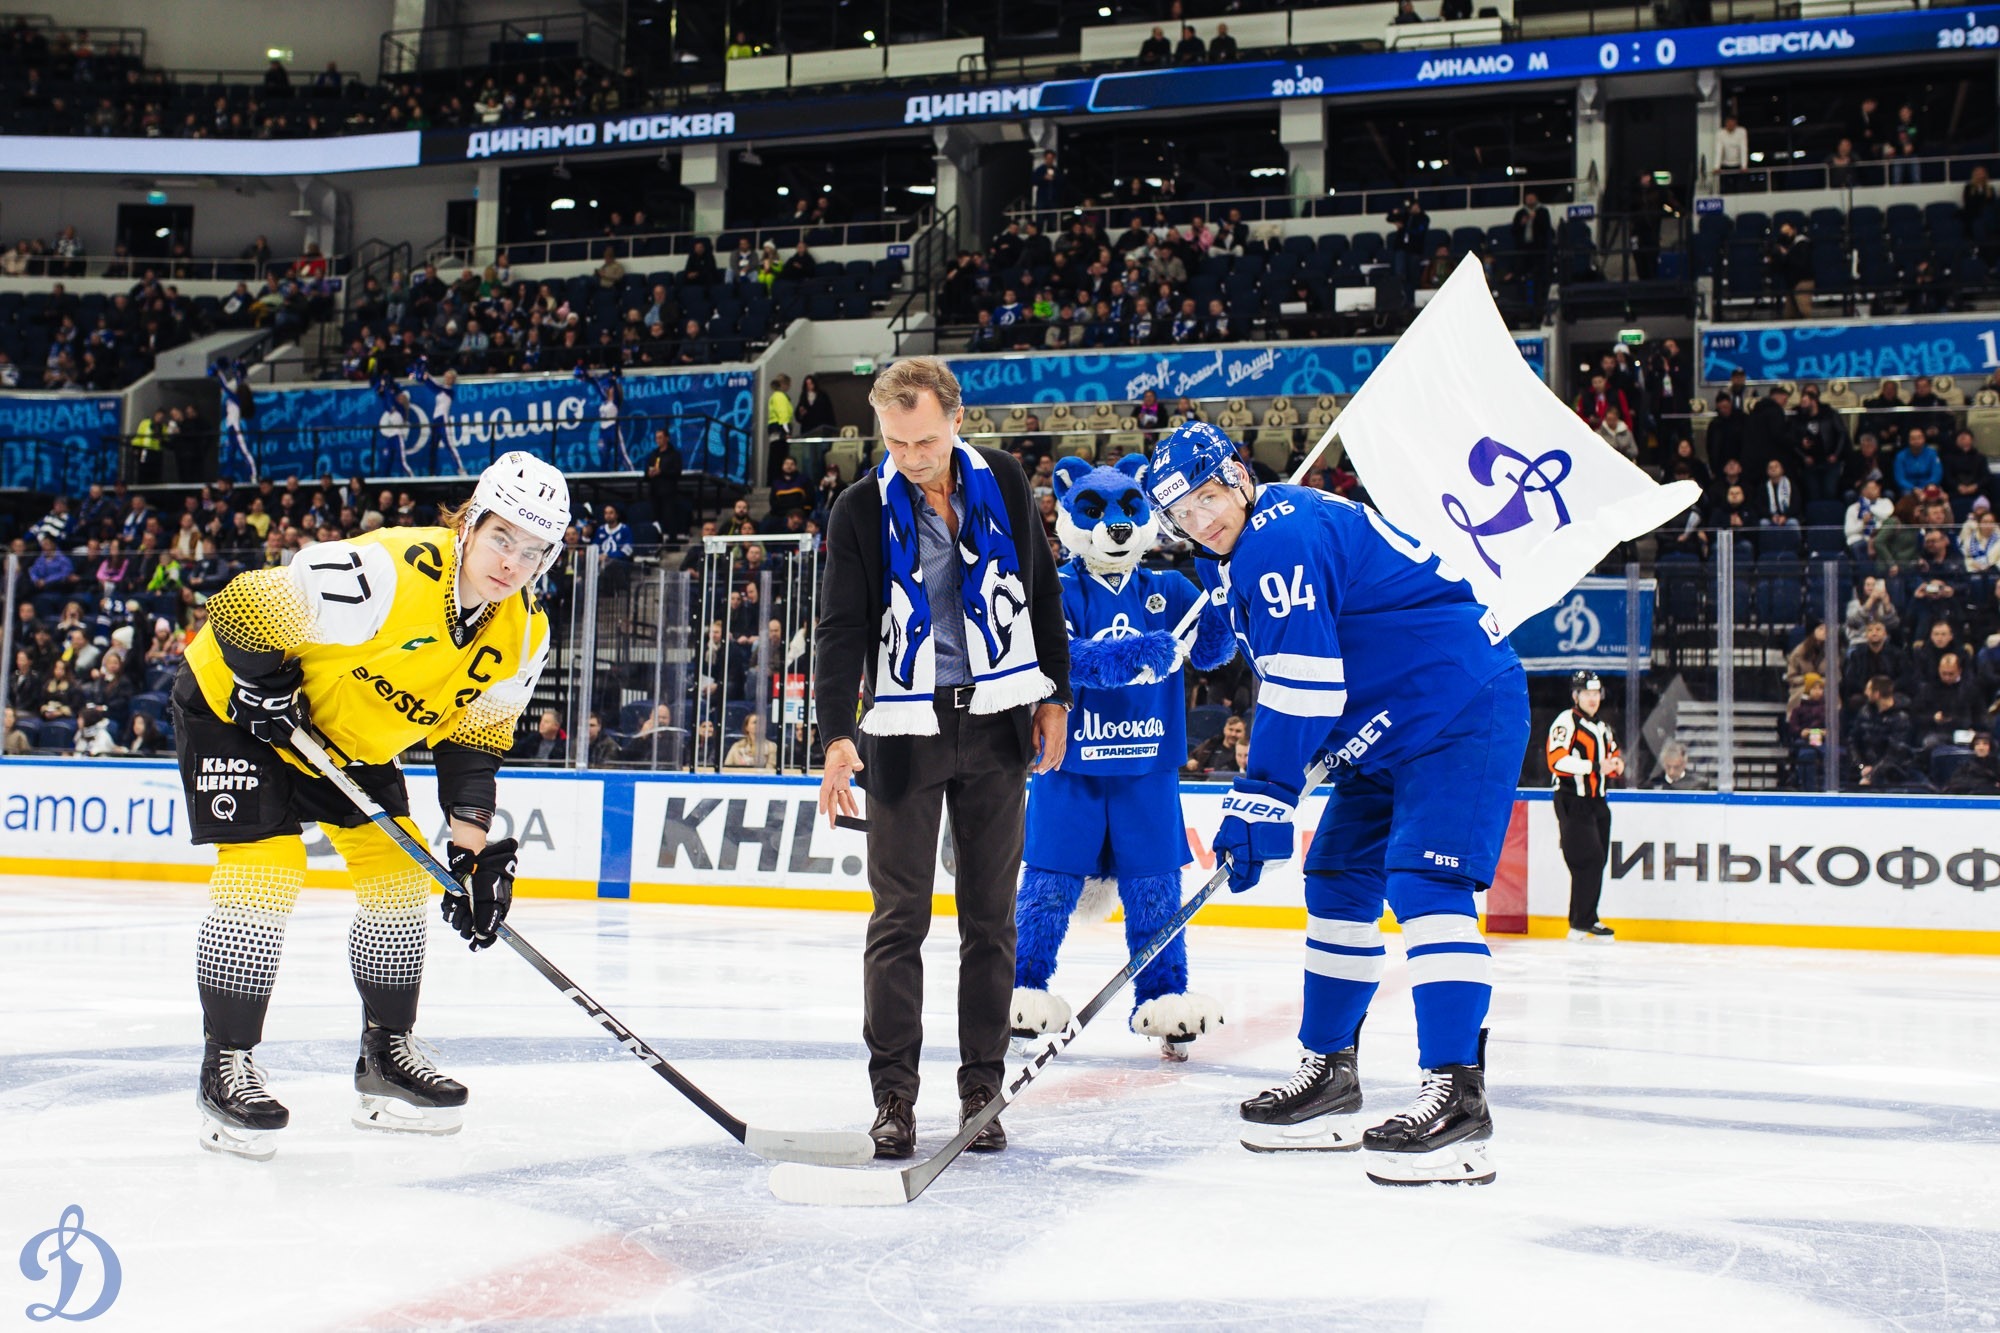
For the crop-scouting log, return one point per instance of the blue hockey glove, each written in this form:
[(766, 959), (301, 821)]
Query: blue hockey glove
[(1256, 827)]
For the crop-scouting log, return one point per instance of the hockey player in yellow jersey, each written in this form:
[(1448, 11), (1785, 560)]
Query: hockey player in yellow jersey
[(395, 639)]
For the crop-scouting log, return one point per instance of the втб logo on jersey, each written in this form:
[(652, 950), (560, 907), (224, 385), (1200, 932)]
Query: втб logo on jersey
[(409, 705), (1531, 476)]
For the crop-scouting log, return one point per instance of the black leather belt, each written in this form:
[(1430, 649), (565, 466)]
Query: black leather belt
[(957, 697)]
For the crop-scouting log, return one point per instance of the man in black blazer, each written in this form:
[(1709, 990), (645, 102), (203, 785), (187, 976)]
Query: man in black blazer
[(974, 768)]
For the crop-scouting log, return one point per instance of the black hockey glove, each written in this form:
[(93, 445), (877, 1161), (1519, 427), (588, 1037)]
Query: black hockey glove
[(488, 877), (271, 707)]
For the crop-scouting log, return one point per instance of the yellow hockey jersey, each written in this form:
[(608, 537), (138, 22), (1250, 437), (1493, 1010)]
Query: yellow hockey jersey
[(370, 620)]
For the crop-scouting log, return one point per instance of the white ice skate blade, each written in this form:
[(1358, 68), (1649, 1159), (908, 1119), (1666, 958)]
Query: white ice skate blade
[(1459, 1164), (1585, 937), (219, 1136), (1320, 1134), (401, 1117)]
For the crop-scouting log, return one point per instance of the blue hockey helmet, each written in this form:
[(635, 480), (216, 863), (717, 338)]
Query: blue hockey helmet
[(1194, 455)]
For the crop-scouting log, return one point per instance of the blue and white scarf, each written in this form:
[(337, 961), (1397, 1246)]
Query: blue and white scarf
[(999, 640)]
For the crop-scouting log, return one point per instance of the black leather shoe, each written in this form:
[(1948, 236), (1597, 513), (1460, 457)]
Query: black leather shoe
[(895, 1127), (990, 1139)]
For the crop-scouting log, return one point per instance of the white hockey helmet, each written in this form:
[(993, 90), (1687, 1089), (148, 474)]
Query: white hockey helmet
[(530, 494)]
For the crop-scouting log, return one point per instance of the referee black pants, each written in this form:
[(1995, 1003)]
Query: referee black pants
[(1584, 823), (973, 771)]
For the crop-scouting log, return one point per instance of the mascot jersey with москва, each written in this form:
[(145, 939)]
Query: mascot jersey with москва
[(371, 620), (1112, 809)]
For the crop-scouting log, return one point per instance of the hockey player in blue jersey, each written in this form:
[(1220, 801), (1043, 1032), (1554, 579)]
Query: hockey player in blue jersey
[(1373, 655), (1112, 810)]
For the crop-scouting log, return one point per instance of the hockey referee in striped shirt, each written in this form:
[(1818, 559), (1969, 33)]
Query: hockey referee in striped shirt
[(1583, 757)]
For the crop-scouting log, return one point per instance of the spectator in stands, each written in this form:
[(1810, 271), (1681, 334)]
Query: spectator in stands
[(789, 491), (1411, 225), (1222, 47), (1865, 518), (1880, 744), (1819, 440), (16, 740), (1948, 703), (52, 574), (1734, 512), (1217, 754), (1808, 658), (1903, 146), (1918, 465), (1966, 477), (1406, 12), (1150, 414), (1900, 539), (1940, 576), (1725, 432), (1191, 50), (612, 271), (1779, 503), (1938, 640), (1979, 539), (1869, 131), (1884, 416), (1791, 267), (1978, 773), (800, 265), (751, 749), (1048, 182), (740, 48), (1975, 204), (1805, 721), (1614, 431), (1840, 165), (1928, 410), (549, 744), (701, 269), (1865, 463), (613, 539), (1675, 775), (1155, 50), (1600, 398), (1732, 145)]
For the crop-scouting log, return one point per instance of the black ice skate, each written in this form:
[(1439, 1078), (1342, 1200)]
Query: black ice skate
[(1312, 1112), (238, 1115), (401, 1089), (1442, 1138), (1598, 932)]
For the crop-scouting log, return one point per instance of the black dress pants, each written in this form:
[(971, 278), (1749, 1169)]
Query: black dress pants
[(1584, 825), (974, 771)]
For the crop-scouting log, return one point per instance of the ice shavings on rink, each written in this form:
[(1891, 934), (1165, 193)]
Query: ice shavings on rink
[(1734, 1138)]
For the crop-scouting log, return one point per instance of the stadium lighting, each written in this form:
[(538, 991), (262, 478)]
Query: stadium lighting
[(784, 189), (162, 232), (869, 36), (1104, 11), (561, 205), (921, 189)]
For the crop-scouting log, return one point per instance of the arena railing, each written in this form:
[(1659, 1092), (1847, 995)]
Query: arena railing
[(1113, 213), (660, 245), (136, 268), (1778, 177), (1707, 675)]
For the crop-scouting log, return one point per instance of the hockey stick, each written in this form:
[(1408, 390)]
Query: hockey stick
[(837, 1146), (800, 1183)]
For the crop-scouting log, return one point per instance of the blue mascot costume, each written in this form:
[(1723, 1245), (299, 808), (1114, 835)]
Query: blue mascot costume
[(1102, 816)]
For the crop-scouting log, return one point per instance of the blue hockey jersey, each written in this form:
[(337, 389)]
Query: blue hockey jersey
[(1137, 728), (1365, 643)]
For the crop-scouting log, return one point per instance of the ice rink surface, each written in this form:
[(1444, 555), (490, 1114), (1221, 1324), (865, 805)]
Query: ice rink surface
[(1688, 1137)]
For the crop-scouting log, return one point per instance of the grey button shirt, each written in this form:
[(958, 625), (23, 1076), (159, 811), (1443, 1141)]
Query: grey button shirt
[(938, 554)]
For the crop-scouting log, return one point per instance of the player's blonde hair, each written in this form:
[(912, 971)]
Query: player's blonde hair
[(903, 383), (453, 516)]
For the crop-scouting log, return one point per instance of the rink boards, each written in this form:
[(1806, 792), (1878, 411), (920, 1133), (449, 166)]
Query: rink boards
[(1846, 872)]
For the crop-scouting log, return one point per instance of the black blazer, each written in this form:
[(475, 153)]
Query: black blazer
[(850, 619)]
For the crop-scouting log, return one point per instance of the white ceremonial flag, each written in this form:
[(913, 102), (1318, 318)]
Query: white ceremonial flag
[(1461, 445)]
